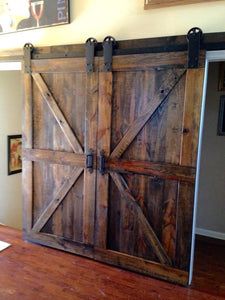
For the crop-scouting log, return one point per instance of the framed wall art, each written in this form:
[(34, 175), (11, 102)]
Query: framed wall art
[(16, 15), (221, 119), (221, 83), (148, 4), (14, 154)]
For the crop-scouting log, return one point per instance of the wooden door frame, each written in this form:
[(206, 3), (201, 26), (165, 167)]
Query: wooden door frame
[(211, 56)]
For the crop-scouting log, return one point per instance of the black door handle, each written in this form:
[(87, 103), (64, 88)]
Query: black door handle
[(102, 161), (90, 161)]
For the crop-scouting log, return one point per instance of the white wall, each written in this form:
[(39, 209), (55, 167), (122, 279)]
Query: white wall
[(211, 198), (124, 19), (10, 123)]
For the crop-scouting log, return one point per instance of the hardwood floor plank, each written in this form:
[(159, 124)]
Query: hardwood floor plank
[(30, 271)]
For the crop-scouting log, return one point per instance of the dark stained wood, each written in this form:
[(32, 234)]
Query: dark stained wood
[(136, 116), (149, 233), (59, 65), (158, 99), (165, 171), (91, 107), (44, 273), (103, 144), (27, 174), (51, 102), (53, 157), (59, 197), (191, 120)]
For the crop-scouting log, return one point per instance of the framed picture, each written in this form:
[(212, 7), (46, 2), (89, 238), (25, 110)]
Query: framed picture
[(16, 15), (14, 154), (148, 4), (221, 119), (221, 84)]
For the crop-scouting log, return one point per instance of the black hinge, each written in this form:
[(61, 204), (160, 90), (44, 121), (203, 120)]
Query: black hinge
[(102, 161), (109, 44), (194, 37), (90, 161), (27, 49), (91, 44)]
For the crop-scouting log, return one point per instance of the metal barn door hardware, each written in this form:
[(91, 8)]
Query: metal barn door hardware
[(90, 161), (194, 37), (91, 44), (27, 49), (102, 161), (109, 44)]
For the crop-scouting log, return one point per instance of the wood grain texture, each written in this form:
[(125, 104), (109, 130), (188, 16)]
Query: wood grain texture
[(91, 107), (163, 170), (191, 119), (57, 280), (158, 99), (103, 144), (149, 232), (52, 104), (59, 197), (54, 157), (27, 173), (150, 61)]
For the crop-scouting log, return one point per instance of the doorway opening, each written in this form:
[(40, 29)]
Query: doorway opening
[(10, 124), (209, 220)]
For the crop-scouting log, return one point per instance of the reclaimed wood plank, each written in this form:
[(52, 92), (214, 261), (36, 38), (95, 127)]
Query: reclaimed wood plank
[(60, 118), (58, 198), (104, 141)]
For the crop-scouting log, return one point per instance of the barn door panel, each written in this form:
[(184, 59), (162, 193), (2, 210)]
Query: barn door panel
[(64, 103), (153, 103)]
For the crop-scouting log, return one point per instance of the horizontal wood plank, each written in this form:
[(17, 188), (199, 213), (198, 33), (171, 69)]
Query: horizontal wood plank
[(149, 61), (62, 65), (141, 266), (54, 157), (161, 170)]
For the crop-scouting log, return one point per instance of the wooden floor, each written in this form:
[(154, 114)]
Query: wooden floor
[(32, 272)]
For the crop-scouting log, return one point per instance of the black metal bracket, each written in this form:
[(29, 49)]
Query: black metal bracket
[(90, 161), (109, 44), (102, 161), (194, 38), (91, 44), (27, 49)]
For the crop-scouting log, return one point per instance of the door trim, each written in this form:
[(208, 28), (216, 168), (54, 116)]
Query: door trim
[(211, 56)]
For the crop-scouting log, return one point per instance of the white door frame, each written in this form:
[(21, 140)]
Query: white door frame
[(211, 56)]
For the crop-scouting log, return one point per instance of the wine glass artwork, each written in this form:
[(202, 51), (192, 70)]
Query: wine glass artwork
[(37, 10)]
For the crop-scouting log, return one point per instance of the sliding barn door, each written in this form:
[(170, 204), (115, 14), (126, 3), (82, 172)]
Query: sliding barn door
[(109, 159), (149, 109), (59, 132)]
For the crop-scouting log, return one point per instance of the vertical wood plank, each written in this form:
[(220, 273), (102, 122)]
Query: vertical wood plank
[(27, 174), (188, 157), (191, 118), (90, 144), (104, 141)]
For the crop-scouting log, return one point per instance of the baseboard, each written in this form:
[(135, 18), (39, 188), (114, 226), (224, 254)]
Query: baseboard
[(210, 233)]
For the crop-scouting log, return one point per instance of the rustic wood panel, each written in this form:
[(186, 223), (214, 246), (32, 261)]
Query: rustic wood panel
[(90, 145), (54, 157), (165, 171), (27, 175), (103, 144), (148, 61), (191, 119)]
